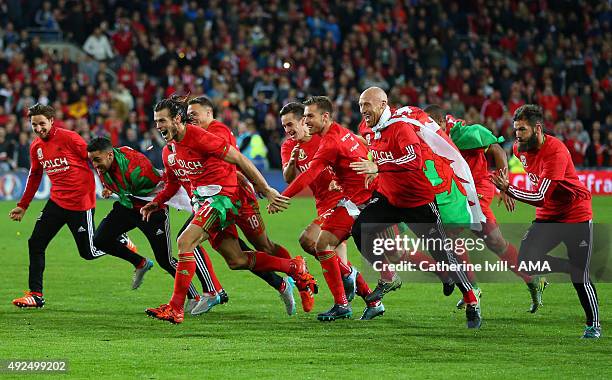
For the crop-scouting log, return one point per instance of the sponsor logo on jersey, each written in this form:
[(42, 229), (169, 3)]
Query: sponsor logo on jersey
[(381, 155), (55, 163), (190, 165)]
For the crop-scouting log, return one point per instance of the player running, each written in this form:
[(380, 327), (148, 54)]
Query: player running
[(338, 148), (297, 151), (563, 209), (404, 192), (200, 113), (209, 162), (476, 144), (63, 155), (130, 175)]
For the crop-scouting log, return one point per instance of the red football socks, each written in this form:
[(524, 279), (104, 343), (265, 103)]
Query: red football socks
[(262, 262), (331, 272), (184, 273), (362, 286), (280, 251)]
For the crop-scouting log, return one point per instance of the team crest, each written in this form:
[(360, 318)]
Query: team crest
[(368, 137), (39, 153), (302, 155), (523, 160), (171, 159)]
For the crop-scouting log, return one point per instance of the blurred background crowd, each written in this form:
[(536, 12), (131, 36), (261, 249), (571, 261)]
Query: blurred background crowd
[(479, 59)]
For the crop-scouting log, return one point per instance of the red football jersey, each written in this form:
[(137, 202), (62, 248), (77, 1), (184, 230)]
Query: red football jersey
[(397, 151), (63, 155), (174, 178), (476, 160), (558, 196), (325, 199), (199, 157), (339, 147), (365, 131), (246, 192)]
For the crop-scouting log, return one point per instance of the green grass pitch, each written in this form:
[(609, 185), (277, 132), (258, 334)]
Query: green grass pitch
[(95, 321)]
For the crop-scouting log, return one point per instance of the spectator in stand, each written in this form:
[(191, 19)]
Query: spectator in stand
[(45, 17), (251, 144), (550, 102), (97, 46), (493, 107), (6, 152), (229, 49), (21, 155), (595, 151)]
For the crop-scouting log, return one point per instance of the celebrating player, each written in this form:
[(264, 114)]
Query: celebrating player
[(131, 176), (563, 209), (209, 162), (338, 148), (200, 113), (404, 193), (297, 151), (476, 143), (63, 155)]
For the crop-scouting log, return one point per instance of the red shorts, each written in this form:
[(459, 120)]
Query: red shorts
[(249, 219), (338, 222), (208, 219), (485, 205), (322, 216)]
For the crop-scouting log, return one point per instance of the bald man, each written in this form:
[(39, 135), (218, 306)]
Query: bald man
[(403, 193)]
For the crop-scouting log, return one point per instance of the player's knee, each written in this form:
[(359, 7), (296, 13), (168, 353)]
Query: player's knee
[(322, 244), (185, 243), (264, 245), (307, 243), (237, 262), (35, 246), (496, 244)]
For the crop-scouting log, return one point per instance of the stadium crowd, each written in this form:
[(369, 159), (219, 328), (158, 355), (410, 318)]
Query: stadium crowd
[(479, 59)]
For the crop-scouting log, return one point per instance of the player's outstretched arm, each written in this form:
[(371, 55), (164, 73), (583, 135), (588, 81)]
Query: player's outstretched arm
[(364, 166), (535, 197), (17, 214), (277, 201), (33, 182), (501, 164)]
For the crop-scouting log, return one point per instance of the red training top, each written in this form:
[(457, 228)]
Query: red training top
[(63, 155)]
